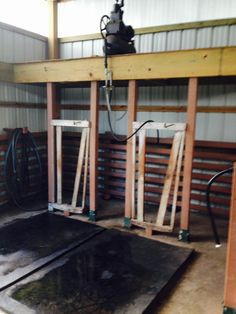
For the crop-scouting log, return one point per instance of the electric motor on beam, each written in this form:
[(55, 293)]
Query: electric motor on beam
[(117, 36)]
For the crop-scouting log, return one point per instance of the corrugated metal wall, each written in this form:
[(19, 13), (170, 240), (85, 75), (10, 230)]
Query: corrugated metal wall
[(19, 46), (210, 126), (84, 16)]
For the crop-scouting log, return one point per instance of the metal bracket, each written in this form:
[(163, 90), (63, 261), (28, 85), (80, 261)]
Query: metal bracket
[(127, 222), (92, 216), (228, 310), (50, 207), (184, 235)]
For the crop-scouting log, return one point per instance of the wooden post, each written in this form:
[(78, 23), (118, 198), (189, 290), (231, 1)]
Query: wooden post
[(53, 49), (141, 174), (93, 164), (230, 274), (132, 111), (188, 158), (59, 163), (53, 113)]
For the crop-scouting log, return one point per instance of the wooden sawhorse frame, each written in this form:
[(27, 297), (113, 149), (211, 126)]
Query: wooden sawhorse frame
[(82, 163), (172, 177)]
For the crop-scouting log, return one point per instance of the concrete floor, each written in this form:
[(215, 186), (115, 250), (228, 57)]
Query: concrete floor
[(200, 289)]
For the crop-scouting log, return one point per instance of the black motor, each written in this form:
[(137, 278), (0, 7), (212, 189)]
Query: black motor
[(117, 36)]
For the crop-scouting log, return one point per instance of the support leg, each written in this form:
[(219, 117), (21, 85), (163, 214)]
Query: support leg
[(188, 158), (93, 165)]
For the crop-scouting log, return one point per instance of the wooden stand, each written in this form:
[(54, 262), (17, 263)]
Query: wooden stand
[(172, 177), (82, 163)]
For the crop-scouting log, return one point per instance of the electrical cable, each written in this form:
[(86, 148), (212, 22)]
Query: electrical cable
[(108, 87), (210, 213), (21, 151)]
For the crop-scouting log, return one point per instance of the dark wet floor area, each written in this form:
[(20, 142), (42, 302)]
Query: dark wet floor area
[(29, 243), (111, 272)]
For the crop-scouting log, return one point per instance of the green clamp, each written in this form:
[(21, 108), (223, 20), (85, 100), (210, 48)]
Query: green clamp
[(127, 222), (183, 235), (50, 207), (92, 215), (228, 310)]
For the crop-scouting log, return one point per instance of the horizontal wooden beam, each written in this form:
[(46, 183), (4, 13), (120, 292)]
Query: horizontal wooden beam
[(6, 72), (156, 29), (23, 105), (175, 64), (154, 108), (102, 107)]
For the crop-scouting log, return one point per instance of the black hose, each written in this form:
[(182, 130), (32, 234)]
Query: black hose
[(208, 191), (21, 150)]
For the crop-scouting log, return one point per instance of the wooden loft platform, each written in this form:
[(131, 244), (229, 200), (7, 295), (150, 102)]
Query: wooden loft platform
[(212, 62)]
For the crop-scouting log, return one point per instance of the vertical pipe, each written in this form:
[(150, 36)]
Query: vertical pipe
[(132, 111), (93, 164), (188, 158)]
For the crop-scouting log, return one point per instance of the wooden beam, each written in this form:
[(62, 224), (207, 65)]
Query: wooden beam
[(132, 111), (6, 72), (53, 113), (230, 275), (160, 65), (188, 156), (93, 164), (53, 49), (157, 29), (140, 108)]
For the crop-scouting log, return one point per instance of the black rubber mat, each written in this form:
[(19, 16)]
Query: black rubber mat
[(28, 244), (114, 272)]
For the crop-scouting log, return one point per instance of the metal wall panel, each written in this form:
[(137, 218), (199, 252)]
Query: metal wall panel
[(85, 15), (20, 46), (209, 126)]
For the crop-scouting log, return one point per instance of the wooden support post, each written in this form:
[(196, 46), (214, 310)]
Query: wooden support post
[(59, 163), (53, 49), (188, 158), (132, 111), (53, 113), (141, 174), (93, 164), (230, 274)]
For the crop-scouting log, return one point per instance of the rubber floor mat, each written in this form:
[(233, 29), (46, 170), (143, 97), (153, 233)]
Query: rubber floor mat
[(114, 272), (28, 244)]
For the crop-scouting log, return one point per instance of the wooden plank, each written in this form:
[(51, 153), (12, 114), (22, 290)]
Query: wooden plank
[(132, 106), (230, 274), (156, 29), (6, 72), (86, 168), (80, 162), (141, 174), (53, 49), (53, 113), (177, 181), (140, 108), (188, 154), (228, 61), (59, 163), (171, 64), (169, 179), (71, 123), (160, 126), (94, 114)]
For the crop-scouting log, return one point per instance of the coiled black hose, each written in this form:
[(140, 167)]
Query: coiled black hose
[(208, 191), (22, 149)]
